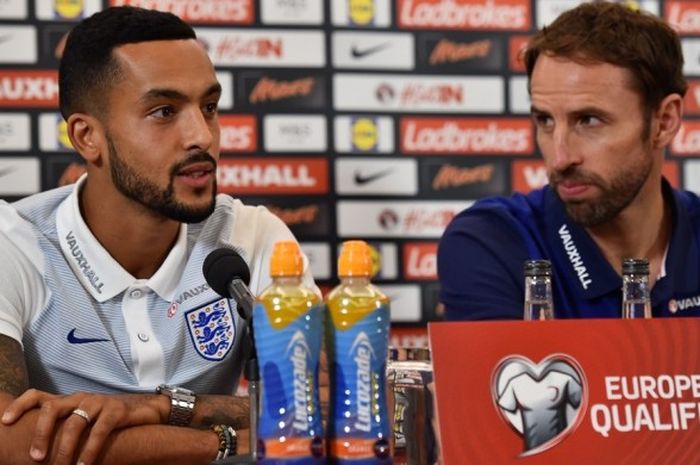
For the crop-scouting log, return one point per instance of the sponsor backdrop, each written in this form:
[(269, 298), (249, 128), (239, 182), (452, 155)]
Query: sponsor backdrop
[(373, 119)]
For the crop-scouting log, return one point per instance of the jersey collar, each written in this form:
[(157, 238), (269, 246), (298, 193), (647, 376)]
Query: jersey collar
[(101, 275), (587, 269)]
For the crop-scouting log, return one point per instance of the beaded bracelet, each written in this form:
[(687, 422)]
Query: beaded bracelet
[(228, 441)]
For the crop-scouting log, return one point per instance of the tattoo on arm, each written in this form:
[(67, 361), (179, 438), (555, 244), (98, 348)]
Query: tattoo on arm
[(13, 371), (225, 410)]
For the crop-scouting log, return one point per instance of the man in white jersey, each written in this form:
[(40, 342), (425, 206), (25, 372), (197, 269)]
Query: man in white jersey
[(102, 297)]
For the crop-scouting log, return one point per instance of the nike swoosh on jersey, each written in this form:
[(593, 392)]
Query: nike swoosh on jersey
[(79, 340), (361, 179), (361, 53)]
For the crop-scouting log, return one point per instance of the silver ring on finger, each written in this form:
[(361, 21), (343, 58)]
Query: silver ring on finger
[(82, 414)]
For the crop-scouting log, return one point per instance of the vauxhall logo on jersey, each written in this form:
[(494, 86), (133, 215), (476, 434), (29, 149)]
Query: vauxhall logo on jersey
[(687, 304), (543, 402), (574, 256)]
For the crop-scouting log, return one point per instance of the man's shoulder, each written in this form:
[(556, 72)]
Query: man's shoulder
[(233, 208), (39, 208), (525, 209)]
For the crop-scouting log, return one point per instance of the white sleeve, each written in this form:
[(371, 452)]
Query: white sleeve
[(263, 229), (22, 290)]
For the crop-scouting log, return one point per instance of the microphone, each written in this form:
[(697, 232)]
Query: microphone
[(228, 275)]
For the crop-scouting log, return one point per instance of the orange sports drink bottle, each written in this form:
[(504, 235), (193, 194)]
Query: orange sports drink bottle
[(357, 336), (287, 319)]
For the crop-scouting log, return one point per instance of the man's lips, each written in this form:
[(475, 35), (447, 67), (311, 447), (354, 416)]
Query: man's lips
[(196, 169), (197, 174), (573, 189)]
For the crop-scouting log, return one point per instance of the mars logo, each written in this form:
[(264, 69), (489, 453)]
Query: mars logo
[(542, 402)]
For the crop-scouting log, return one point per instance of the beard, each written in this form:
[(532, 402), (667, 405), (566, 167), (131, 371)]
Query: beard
[(615, 196), (142, 190)]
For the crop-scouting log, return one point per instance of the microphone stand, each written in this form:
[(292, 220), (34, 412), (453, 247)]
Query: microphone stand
[(252, 375)]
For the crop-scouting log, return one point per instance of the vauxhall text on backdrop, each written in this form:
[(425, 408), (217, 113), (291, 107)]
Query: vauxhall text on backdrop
[(377, 119)]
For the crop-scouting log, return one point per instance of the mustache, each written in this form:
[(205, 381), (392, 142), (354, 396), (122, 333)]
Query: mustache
[(196, 157), (576, 175)]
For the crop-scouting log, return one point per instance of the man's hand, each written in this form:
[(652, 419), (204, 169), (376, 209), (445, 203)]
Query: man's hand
[(105, 413)]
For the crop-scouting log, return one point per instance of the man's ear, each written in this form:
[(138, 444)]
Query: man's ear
[(668, 116), (86, 133)]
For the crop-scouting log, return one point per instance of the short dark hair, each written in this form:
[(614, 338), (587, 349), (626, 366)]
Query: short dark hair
[(88, 67), (612, 33)]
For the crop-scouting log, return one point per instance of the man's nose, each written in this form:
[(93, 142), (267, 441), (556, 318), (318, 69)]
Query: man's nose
[(566, 153), (197, 131)]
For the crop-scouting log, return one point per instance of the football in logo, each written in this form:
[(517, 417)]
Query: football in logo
[(385, 93), (388, 219), (543, 402)]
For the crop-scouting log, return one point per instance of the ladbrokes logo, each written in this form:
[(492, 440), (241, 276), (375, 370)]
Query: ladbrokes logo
[(273, 176), (466, 136), (420, 260), (465, 14), (687, 141), (543, 402), (28, 88), (684, 16), (238, 133), (447, 51), (199, 11)]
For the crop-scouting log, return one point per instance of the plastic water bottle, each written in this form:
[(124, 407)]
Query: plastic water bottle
[(636, 300), (287, 320), (357, 340), (538, 290)]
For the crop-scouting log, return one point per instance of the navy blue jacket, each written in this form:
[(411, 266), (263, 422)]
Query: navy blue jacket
[(481, 255)]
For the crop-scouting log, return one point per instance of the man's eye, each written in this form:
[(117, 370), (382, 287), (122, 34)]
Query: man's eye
[(163, 112), (211, 107), (590, 120), (543, 120)]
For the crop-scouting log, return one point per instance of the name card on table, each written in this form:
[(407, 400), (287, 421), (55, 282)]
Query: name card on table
[(568, 391)]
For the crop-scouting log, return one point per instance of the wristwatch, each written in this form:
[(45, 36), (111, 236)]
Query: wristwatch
[(181, 404)]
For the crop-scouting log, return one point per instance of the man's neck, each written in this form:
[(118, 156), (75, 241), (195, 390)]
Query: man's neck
[(136, 238), (643, 229)]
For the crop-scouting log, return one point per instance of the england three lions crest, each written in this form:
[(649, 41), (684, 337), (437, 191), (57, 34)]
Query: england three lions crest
[(212, 329)]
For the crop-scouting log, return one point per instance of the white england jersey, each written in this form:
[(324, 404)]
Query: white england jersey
[(86, 324)]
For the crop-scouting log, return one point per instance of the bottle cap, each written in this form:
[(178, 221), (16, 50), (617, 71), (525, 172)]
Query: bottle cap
[(537, 268), (286, 259), (355, 259), (635, 266)]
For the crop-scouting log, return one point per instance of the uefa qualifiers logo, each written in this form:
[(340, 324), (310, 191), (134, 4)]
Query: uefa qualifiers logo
[(544, 402)]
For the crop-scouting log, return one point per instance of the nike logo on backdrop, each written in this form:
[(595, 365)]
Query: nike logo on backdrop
[(79, 340), (361, 53), (362, 179)]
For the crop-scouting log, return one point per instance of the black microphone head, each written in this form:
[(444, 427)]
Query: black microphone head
[(223, 266)]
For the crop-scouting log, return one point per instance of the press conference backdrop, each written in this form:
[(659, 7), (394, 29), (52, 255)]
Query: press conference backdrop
[(373, 119)]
